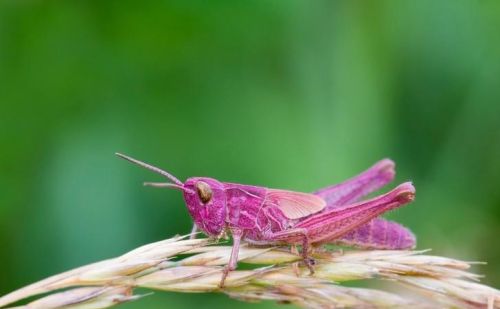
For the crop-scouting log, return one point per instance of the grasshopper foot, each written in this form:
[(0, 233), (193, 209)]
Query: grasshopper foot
[(295, 265), (310, 262), (225, 272)]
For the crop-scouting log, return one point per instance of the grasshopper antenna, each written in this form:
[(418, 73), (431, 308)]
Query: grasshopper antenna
[(167, 185), (154, 169)]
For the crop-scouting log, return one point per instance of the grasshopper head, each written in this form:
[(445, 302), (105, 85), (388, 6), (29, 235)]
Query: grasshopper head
[(206, 202), (205, 197)]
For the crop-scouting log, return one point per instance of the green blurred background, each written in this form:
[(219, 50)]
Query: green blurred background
[(287, 94)]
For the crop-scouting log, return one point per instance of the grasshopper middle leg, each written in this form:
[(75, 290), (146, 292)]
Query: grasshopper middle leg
[(296, 235)]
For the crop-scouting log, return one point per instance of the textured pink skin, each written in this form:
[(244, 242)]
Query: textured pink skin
[(379, 234), (243, 207), (326, 226)]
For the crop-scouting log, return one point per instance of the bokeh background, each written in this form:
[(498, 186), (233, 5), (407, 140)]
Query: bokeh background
[(286, 94)]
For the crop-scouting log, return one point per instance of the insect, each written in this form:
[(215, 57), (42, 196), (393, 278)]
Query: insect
[(265, 216)]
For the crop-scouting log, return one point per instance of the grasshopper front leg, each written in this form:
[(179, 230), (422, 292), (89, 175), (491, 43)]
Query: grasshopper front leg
[(193, 231), (233, 260)]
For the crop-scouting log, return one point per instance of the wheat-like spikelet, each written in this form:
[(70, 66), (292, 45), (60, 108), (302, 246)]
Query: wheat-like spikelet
[(184, 265)]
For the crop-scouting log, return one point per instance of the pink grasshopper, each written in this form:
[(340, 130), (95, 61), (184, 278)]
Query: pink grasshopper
[(264, 216)]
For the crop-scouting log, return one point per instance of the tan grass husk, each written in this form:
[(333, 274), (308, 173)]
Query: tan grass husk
[(183, 265)]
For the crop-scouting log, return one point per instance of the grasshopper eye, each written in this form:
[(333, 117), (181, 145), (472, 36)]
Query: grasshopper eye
[(204, 191)]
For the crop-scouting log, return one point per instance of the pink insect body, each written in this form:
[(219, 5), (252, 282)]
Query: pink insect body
[(264, 216)]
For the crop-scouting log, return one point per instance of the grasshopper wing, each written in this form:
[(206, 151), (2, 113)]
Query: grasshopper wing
[(295, 205)]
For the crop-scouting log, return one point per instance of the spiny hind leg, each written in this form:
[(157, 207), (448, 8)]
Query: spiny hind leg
[(354, 189)]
